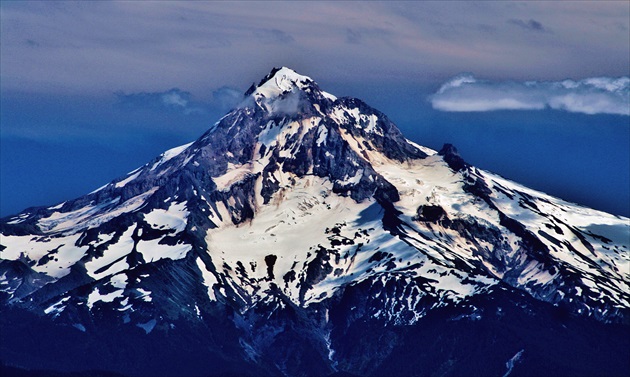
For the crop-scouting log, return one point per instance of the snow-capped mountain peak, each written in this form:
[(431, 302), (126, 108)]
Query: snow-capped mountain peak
[(281, 80), (283, 89), (300, 204)]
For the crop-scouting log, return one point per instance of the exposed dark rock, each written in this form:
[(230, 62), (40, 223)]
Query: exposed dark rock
[(452, 157), (432, 213), (270, 260)]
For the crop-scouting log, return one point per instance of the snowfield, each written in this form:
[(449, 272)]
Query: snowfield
[(304, 213)]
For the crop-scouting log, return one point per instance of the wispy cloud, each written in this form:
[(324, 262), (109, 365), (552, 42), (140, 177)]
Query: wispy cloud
[(180, 101), (353, 36), (31, 43), (98, 47), (530, 24), (226, 98), (174, 99), (598, 95), (273, 36)]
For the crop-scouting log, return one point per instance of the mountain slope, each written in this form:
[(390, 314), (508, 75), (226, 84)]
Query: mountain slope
[(296, 221)]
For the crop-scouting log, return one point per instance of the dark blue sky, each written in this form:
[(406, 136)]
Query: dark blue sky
[(90, 91)]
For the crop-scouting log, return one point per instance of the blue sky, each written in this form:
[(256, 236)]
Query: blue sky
[(535, 91)]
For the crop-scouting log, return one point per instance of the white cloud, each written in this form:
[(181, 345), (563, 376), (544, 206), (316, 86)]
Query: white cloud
[(286, 104), (598, 95), (173, 98)]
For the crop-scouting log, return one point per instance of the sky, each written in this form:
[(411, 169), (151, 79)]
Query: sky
[(535, 91)]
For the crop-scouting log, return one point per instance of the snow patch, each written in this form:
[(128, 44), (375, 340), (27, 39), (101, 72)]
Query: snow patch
[(127, 180), (60, 253), (209, 280), (233, 175), (92, 215), (170, 154), (58, 206), (175, 217), (57, 307), (144, 295), (113, 260), (95, 296), (153, 250)]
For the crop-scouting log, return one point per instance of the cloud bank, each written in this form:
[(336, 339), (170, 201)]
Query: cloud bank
[(174, 99), (598, 95)]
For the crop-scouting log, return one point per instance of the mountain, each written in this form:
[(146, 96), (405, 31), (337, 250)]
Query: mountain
[(303, 235)]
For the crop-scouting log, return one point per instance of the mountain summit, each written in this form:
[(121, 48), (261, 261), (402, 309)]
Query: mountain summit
[(302, 234)]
